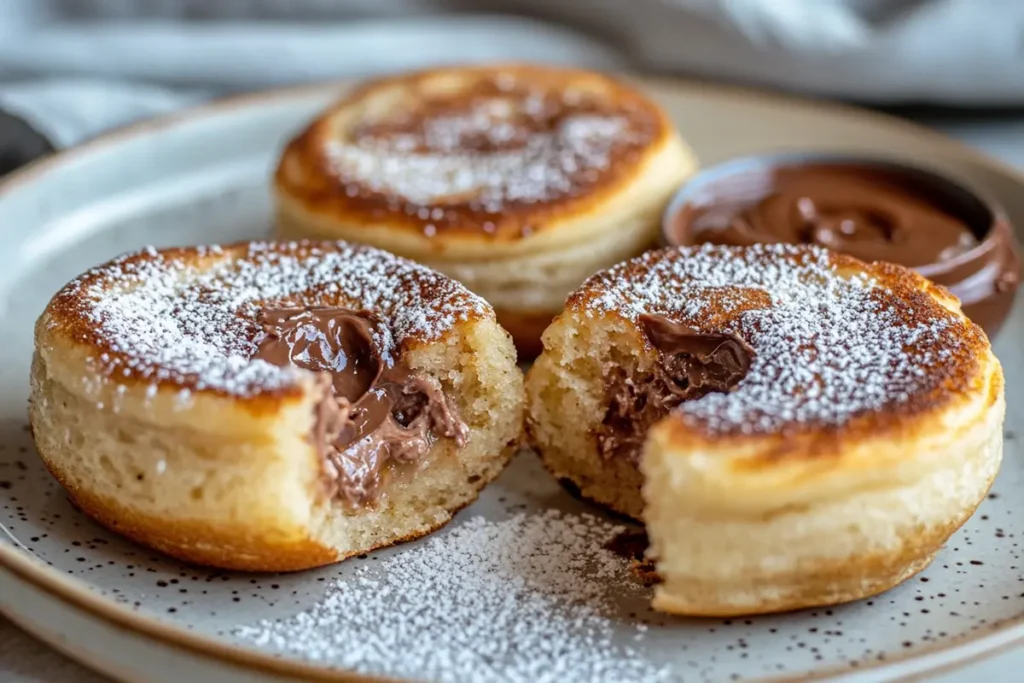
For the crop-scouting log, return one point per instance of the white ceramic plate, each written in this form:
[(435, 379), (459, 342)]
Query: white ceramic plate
[(202, 177)]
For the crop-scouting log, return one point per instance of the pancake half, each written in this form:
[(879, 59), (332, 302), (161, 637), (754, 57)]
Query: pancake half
[(794, 427), (272, 407), (519, 181)]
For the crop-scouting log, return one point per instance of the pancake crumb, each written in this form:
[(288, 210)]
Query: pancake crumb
[(188, 316), (829, 348), (529, 598)]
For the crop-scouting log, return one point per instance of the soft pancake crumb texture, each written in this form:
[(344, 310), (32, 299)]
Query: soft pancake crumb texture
[(833, 343), (187, 318)]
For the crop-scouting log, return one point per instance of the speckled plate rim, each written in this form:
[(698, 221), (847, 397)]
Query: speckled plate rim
[(939, 658)]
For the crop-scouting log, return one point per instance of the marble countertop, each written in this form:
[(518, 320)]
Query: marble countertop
[(26, 660)]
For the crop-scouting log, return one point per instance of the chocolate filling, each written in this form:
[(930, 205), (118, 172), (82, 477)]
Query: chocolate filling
[(373, 414), (690, 364)]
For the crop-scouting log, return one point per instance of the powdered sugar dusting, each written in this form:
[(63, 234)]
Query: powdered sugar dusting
[(159, 315), (828, 348), (507, 148), (528, 598)]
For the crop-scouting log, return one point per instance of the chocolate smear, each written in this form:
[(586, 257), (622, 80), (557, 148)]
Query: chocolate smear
[(690, 364)]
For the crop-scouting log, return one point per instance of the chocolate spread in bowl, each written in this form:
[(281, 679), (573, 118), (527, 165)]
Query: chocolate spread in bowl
[(860, 212), (690, 364), (872, 210), (373, 413)]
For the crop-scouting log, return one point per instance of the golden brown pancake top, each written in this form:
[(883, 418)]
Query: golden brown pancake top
[(188, 318), (841, 347), (494, 151)]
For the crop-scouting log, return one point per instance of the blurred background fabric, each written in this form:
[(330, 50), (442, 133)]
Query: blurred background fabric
[(72, 68)]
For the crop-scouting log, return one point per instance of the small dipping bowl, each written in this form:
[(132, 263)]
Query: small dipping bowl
[(872, 209)]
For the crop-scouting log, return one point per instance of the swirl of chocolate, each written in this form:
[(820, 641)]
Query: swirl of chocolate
[(374, 412), (873, 211), (336, 340), (847, 209), (696, 363)]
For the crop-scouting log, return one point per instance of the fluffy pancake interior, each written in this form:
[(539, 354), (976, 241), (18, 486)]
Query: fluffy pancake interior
[(567, 403), (210, 481), (479, 372)]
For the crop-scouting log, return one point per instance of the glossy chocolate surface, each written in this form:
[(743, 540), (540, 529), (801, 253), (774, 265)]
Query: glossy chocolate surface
[(872, 210), (372, 413)]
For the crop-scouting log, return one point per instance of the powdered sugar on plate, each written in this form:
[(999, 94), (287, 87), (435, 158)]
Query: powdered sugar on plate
[(829, 348), (189, 316), (529, 598)]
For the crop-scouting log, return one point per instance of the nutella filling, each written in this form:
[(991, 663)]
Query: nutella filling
[(690, 364), (373, 414)]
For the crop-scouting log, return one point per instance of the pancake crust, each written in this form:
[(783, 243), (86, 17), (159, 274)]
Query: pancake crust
[(148, 407), (866, 431)]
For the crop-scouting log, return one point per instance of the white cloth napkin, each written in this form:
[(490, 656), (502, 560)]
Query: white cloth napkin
[(75, 67), (77, 80)]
